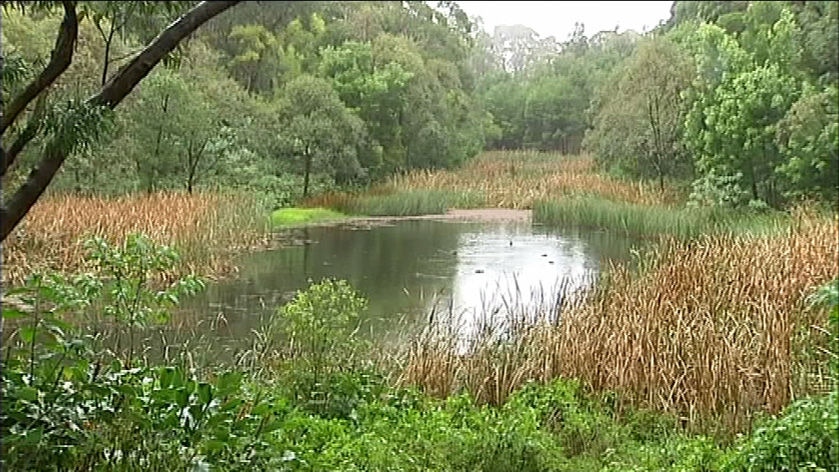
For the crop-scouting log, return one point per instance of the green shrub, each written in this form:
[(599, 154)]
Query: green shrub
[(318, 332), (802, 438)]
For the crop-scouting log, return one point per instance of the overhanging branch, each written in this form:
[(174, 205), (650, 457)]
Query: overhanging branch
[(61, 57), (120, 85)]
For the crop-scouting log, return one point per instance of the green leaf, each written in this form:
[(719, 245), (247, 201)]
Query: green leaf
[(27, 333), (29, 394), (13, 313), (229, 382), (205, 393)]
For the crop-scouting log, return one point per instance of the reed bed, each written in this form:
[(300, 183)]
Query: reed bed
[(496, 179), (652, 220), (713, 331), (206, 228), (517, 179)]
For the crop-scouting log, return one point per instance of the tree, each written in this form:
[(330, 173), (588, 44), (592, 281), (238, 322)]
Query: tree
[(808, 139), (739, 134), (639, 126), (319, 130), (87, 114)]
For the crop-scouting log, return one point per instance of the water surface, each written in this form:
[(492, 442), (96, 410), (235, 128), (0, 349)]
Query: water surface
[(407, 268)]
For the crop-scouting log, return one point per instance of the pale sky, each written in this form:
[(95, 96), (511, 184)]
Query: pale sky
[(557, 18)]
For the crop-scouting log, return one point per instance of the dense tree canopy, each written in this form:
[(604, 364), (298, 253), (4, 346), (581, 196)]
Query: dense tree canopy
[(740, 92)]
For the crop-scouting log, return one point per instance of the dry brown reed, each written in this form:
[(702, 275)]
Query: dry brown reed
[(206, 229), (712, 330), (515, 179)]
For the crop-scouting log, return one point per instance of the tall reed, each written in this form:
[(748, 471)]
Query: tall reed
[(206, 228), (713, 330), (502, 179), (516, 179)]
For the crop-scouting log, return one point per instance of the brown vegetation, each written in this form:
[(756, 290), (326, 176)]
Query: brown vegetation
[(205, 228), (712, 330)]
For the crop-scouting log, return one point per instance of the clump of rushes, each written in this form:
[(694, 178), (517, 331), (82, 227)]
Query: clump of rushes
[(207, 228), (713, 330)]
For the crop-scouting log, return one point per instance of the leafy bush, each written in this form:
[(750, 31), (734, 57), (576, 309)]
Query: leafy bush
[(59, 383), (318, 329), (712, 190), (802, 438)]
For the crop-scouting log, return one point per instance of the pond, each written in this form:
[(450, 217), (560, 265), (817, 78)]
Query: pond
[(407, 269)]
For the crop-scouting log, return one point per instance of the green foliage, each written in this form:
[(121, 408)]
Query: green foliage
[(298, 216), (639, 125), (741, 125), (129, 270), (720, 191), (411, 203), (651, 221), (637, 220), (808, 139), (319, 131), (318, 329), (828, 296), (802, 438), (57, 380)]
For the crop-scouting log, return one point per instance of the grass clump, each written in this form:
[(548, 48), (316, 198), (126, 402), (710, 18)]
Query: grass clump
[(410, 203), (302, 216), (650, 220)]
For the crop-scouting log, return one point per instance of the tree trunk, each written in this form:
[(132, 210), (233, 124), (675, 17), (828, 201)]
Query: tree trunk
[(110, 96), (107, 59), (306, 170)]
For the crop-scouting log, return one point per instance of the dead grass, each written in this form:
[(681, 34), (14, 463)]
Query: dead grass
[(713, 330), (515, 179), (512, 179), (205, 228)]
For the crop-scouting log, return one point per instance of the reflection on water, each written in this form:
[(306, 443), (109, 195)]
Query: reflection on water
[(405, 268), (504, 267)]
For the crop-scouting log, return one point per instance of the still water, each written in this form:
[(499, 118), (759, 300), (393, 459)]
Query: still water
[(405, 269)]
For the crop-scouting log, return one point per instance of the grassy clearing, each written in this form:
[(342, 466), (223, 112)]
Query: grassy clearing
[(207, 229), (713, 331), (302, 216)]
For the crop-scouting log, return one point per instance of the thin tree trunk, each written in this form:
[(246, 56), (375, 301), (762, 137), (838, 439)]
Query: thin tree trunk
[(107, 55), (308, 168)]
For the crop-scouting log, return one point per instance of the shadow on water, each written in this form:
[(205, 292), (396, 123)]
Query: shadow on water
[(406, 270)]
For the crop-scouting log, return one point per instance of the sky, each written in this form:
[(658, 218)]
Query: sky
[(557, 18)]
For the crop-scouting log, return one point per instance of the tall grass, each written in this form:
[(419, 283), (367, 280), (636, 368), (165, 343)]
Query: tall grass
[(498, 179), (516, 179), (649, 220), (713, 330), (207, 228), (399, 203)]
